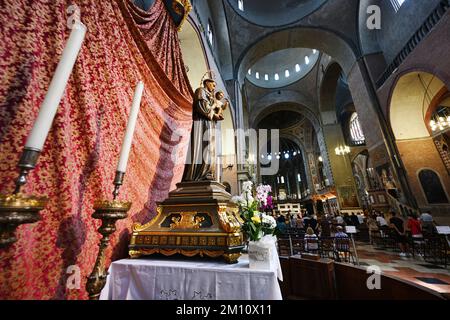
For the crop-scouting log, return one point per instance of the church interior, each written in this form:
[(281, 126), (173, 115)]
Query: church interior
[(224, 150)]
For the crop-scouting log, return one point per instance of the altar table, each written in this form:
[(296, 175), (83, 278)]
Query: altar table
[(181, 279)]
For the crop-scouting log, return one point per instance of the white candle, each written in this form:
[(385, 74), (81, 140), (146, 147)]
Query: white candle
[(127, 141), (43, 123)]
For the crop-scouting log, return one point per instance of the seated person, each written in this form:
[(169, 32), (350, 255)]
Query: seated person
[(311, 245), (414, 226), (293, 221), (339, 219), (361, 218), (427, 223), (340, 233), (341, 244), (300, 224), (381, 221)]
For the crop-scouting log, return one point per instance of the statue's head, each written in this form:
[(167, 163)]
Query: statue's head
[(220, 95), (210, 85)]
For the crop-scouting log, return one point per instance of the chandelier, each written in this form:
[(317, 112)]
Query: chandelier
[(342, 150), (439, 123), (440, 120)]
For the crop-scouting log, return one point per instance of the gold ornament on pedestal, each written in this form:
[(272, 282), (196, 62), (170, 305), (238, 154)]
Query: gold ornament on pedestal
[(196, 219)]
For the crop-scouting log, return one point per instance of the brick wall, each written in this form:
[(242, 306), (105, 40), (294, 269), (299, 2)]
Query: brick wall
[(422, 153)]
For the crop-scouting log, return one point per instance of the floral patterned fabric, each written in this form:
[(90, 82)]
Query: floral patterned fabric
[(77, 166)]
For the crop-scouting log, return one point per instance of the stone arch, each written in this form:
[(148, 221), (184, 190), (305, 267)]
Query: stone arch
[(327, 93), (411, 96), (295, 140), (196, 59), (272, 15), (304, 154), (193, 47), (317, 132), (263, 110), (306, 37)]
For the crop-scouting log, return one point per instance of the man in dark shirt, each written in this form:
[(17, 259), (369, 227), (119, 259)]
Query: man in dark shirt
[(347, 219), (399, 233), (355, 220)]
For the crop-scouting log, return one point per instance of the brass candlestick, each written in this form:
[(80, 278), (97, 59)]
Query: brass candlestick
[(17, 209), (109, 212)]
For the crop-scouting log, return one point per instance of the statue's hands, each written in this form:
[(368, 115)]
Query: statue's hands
[(226, 104)]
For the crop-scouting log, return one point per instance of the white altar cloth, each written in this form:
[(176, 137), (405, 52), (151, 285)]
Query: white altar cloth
[(180, 279)]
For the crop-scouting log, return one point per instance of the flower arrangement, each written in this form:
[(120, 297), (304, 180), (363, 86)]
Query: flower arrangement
[(257, 223)]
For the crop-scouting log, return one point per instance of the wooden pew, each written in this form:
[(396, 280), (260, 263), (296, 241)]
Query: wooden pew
[(311, 278), (351, 284), (285, 285)]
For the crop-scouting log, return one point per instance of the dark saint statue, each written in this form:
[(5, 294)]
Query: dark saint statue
[(201, 153)]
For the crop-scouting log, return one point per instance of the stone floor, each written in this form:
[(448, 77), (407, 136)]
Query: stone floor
[(416, 270)]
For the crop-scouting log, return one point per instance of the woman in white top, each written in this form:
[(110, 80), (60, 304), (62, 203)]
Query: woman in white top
[(382, 224), (311, 240), (381, 221)]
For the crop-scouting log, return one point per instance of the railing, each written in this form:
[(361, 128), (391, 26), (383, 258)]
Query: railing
[(401, 208)]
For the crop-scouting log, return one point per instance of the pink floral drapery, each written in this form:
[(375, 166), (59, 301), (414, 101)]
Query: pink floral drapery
[(77, 166)]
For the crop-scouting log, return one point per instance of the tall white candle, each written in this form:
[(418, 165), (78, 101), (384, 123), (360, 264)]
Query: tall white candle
[(127, 141), (44, 121)]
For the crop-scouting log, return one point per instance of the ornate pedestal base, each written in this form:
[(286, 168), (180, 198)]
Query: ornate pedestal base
[(196, 219), (108, 212)]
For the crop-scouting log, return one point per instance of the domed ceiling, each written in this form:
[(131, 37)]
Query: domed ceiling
[(282, 67), (274, 13)]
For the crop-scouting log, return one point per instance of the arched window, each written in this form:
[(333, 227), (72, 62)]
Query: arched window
[(241, 5), (432, 187), (397, 4), (209, 33), (356, 133)]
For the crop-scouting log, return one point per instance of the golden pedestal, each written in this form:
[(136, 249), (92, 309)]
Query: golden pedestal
[(197, 219)]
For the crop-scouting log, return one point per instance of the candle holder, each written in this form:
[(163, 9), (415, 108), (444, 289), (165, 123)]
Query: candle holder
[(17, 209), (108, 212), (27, 163), (118, 182)]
